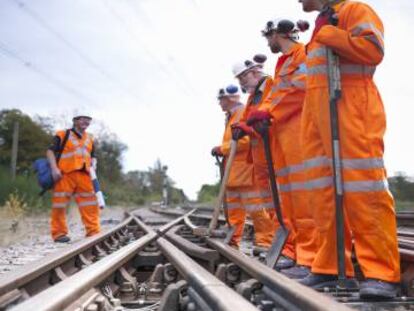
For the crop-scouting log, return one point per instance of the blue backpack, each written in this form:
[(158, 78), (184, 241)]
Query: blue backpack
[(44, 172)]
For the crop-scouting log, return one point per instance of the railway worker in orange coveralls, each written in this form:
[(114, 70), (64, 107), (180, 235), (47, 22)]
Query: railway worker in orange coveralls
[(369, 213), (71, 176), (241, 194), (252, 79), (284, 107)]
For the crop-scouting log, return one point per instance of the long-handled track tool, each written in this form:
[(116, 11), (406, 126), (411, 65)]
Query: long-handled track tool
[(282, 233), (220, 162), (211, 230), (335, 93)]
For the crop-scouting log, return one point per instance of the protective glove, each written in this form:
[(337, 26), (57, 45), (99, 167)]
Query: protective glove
[(216, 152), (240, 129), (94, 163), (259, 120)]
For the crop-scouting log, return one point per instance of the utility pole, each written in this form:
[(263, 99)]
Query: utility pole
[(165, 193), (15, 146)]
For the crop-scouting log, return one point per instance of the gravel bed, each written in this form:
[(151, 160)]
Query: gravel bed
[(31, 240)]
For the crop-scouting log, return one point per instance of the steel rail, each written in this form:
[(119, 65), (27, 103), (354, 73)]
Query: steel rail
[(171, 212), (163, 229), (289, 293), (26, 274), (213, 291), (208, 256), (68, 290), (64, 293), (407, 255), (405, 218)]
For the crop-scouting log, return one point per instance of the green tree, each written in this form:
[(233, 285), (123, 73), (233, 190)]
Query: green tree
[(208, 193), (401, 187), (33, 138), (109, 150)]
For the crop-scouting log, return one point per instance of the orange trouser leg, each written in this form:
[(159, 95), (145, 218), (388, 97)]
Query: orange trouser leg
[(288, 136), (58, 225), (237, 215), (87, 203), (261, 179), (285, 200), (368, 205), (62, 192), (254, 199)]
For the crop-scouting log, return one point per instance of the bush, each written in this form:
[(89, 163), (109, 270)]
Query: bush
[(121, 194), (26, 188), (208, 193)]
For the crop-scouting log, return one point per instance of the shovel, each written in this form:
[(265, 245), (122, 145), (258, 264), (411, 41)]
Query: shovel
[(281, 236), (202, 231)]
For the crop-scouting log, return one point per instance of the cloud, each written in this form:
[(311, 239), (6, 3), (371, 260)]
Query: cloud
[(163, 62)]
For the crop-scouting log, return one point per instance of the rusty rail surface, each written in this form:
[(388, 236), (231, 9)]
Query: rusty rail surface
[(70, 259), (65, 292), (217, 295), (290, 294)]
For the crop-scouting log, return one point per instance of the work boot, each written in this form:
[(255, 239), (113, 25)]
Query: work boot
[(62, 239), (258, 250), (284, 262), (319, 280), (296, 272), (373, 289)]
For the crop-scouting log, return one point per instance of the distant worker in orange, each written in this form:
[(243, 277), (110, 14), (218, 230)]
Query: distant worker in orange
[(241, 196), (356, 34), (71, 173)]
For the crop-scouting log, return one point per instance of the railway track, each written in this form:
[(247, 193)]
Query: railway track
[(350, 297), (160, 265)]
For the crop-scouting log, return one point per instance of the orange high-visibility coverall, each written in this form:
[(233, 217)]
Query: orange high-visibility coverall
[(74, 165), (285, 104), (242, 195), (260, 173), (368, 204)]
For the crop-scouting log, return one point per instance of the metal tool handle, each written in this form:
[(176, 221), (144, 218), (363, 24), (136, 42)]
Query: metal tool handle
[(335, 92), (222, 192), (264, 133), (220, 164)]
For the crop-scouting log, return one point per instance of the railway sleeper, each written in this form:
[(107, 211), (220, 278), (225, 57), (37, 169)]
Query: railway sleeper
[(349, 297)]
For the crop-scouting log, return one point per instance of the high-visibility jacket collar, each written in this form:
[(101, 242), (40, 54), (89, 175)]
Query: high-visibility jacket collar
[(290, 61), (77, 152)]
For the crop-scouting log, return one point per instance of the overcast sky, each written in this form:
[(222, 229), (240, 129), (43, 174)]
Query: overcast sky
[(150, 70)]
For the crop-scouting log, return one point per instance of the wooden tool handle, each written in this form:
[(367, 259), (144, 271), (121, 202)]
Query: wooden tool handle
[(217, 207)]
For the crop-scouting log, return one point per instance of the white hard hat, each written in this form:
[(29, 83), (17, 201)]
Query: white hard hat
[(82, 114), (285, 26), (229, 90), (242, 67)]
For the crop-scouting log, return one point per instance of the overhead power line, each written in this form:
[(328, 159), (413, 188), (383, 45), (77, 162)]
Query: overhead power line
[(165, 69), (139, 14), (85, 58), (9, 52)]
